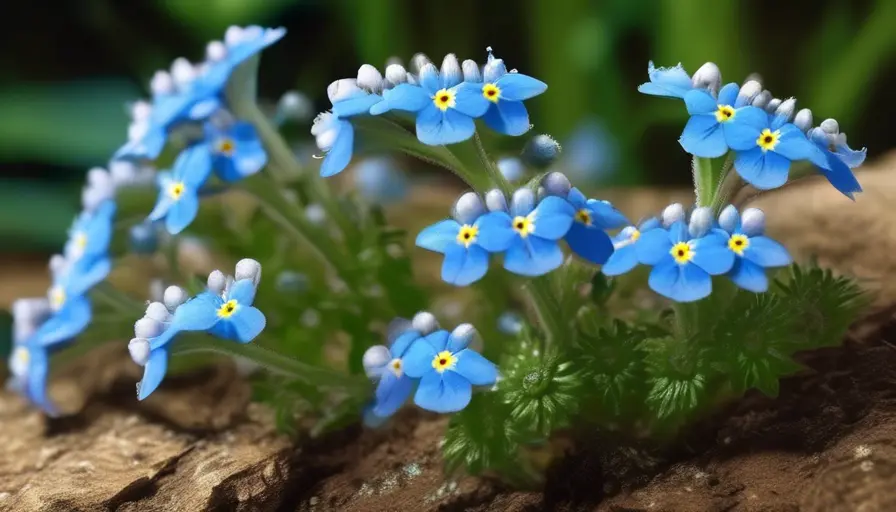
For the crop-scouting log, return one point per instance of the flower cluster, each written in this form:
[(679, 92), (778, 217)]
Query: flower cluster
[(43, 324), (191, 101), (441, 365), (445, 102), (527, 231), (224, 310), (686, 252), (764, 133)]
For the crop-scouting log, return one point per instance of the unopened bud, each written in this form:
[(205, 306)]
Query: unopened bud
[(753, 222), (425, 323), (541, 151), (556, 184), (468, 208), (672, 214), (708, 77)]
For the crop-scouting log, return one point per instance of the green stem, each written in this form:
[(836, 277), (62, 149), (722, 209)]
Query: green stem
[(704, 181), (686, 319), (275, 363), (491, 168), (117, 300)]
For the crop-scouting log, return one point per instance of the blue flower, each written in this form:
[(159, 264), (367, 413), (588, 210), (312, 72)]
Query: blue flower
[(461, 240), (447, 369), (754, 251), (237, 152), (683, 266), (178, 201), (240, 44), (717, 124), (506, 92), (445, 105), (840, 158), (528, 234), (587, 237), (765, 146), (226, 314), (669, 82), (333, 131), (625, 254), (90, 235)]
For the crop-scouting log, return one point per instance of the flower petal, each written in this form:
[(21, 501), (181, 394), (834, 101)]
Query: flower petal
[(464, 266), (355, 105), (340, 154), (406, 97), (520, 87), (194, 165), (749, 276), (65, 324), (711, 253), (87, 274), (605, 215), (533, 256), (703, 136), (443, 393), (508, 117), (794, 146), (763, 170), (681, 283), (700, 101), (244, 326), (468, 99), (728, 94), (621, 261), (495, 232), (243, 291), (403, 343), (435, 127), (851, 157), (418, 358), (153, 373), (475, 368), (38, 371), (766, 252), (439, 236), (671, 82), (742, 132), (840, 175), (590, 243), (182, 212), (553, 218), (391, 393), (653, 246)]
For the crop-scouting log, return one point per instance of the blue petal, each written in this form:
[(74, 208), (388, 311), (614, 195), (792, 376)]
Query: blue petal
[(590, 243), (87, 274), (553, 218), (763, 170), (435, 127), (699, 101), (457, 343), (671, 82), (681, 283), (99, 228), (495, 232), (605, 216), (430, 80), (197, 314), (193, 165), (468, 99), (749, 276), (742, 132), (478, 370), (418, 358), (243, 326), (403, 342), (439, 236), (622, 260), (703, 136), (340, 154), (153, 373), (356, 105), (519, 87), (65, 324), (443, 393), (248, 157), (711, 253), (728, 94), (533, 256), (391, 393), (242, 291), (851, 157), (508, 117), (766, 252), (678, 232), (182, 212), (840, 175), (203, 109), (794, 146), (576, 198), (464, 266), (38, 370), (406, 97), (653, 246)]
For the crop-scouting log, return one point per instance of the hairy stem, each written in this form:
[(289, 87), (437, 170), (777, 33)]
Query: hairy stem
[(704, 182)]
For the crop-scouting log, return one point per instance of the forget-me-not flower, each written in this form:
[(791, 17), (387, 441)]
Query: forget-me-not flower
[(447, 369), (225, 310), (527, 234), (716, 123), (178, 201), (684, 258), (625, 254), (445, 104), (29, 360), (840, 158), (671, 82), (461, 240), (236, 150), (754, 251), (506, 92)]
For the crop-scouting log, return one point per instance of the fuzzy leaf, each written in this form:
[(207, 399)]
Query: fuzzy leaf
[(540, 391), (677, 374)]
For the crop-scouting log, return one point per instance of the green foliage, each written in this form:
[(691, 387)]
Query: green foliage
[(541, 391), (678, 372)]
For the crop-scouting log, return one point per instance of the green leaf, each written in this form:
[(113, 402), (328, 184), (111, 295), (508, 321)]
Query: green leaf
[(541, 391), (678, 373)]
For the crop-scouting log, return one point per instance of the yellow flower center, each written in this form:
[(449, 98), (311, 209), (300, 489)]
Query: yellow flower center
[(228, 309), (725, 113), (682, 253), (57, 297), (467, 235), (491, 92), (226, 146), (444, 360), (583, 216), (768, 139), (635, 236), (444, 99), (523, 225), (738, 243), (176, 190), (396, 367), (22, 357)]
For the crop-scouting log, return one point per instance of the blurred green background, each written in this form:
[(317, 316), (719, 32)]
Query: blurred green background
[(68, 73)]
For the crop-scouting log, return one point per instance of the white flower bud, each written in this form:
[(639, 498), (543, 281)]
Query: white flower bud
[(830, 126), (786, 109), (773, 105), (375, 359), (708, 77), (471, 71), (158, 312), (141, 110), (148, 328), (418, 62), (233, 35), (425, 323), (182, 72), (753, 222), (173, 297), (451, 72), (137, 130), (495, 201), (341, 89), (162, 83), (370, 79), (556, 184), (701, 222), (523, 199), (762, 99), (494, 68), (139, 350), (216, 51), (58, 264), (396, 74), (217, 282), (541, 151), (464, 334), (803, 120), (468, 208), (248, 268), (729, 218), (672, 214), (748, 92)]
